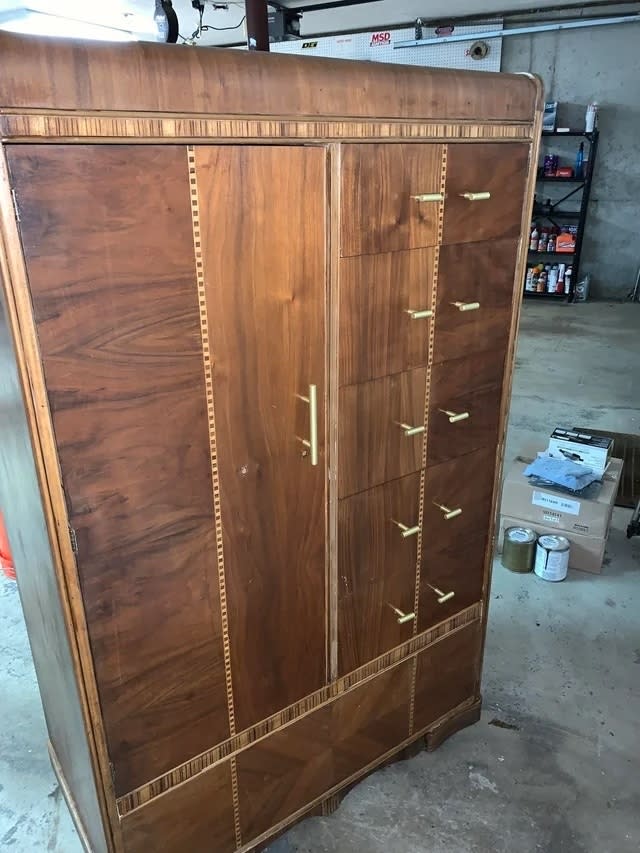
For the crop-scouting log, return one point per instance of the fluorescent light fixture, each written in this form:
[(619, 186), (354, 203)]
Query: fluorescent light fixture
[(70, 20)]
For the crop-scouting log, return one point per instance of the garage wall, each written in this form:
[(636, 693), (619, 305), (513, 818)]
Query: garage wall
[(601, 64)]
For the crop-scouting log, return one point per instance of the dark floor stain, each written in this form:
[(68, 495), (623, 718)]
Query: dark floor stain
[(501, 724), (610, 602), (606, 561), (636, 658)]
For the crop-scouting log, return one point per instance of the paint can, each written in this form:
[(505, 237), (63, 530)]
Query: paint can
[(518, 547), (552, 557)]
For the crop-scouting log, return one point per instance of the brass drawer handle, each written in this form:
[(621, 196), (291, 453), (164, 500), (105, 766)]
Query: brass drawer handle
[(412, 430), (466, 306), (476, 196), (312, 441), (428, 197), (419, 315), (454, 417), (442, 596), (448, 513), (402, 616), (407, 531)]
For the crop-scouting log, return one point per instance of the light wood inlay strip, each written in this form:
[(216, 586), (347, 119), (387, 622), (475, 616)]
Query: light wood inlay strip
[(427, 394), (323, 696), (215, 479), (78, 127)]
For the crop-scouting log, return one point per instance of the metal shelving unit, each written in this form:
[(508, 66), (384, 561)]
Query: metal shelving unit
[(556, 214)]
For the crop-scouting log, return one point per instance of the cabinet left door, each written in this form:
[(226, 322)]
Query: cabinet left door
[(174, 290)]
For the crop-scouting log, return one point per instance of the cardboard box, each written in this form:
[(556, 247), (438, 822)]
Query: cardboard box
[(592, 451), (586, 553)]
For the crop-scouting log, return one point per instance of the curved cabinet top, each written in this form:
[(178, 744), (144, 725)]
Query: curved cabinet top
[(61, 74)]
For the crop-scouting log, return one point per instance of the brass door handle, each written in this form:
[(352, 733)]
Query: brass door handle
[(419, 315), (407, 531), (402, 616), (442, 596), (412, 430), (448, 513), (454, 417), (428, 197), (466, 306), (476, 196), (312, 441)]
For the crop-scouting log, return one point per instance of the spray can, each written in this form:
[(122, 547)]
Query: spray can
[(567, 279), (591, 118)]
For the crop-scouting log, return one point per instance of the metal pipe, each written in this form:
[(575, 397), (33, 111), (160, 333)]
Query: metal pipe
[(518, 31), (257, 26)]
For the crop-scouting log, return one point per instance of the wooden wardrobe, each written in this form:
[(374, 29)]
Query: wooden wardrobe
[(257, 338)]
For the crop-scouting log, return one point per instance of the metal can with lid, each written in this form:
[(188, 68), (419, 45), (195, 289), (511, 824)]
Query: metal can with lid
[(552, 557), (518, 547)]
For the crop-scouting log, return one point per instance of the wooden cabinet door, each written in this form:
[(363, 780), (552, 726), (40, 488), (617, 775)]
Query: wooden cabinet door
[(379, 208), (108, 240), (484, 190), (474, 298), (263, 231), (385, 314)]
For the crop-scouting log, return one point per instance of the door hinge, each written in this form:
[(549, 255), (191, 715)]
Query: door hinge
[(16, 209), (74, 540)]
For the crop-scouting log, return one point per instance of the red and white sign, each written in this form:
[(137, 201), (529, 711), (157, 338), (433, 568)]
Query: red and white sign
[(380, 38)]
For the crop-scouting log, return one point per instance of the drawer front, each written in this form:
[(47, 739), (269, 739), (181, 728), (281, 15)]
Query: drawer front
[(377, 538), (458, 569), (385, 314), (475, 297), (378, 213), (186, 818), (447, 674), (457, 502), (495, 168), (295, 765), (380, 430), (464, 408)]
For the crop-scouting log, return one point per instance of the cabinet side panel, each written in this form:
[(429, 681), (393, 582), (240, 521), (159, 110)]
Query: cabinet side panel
[(108, 240), (22, 508)]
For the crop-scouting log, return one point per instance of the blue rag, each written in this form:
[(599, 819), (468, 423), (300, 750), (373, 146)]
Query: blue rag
[(562, 472)]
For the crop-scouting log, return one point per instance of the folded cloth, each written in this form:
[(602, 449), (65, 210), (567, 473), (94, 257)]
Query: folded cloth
[(562, 472)]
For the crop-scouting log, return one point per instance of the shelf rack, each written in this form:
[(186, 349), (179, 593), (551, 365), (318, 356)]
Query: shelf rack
[(557, 215)]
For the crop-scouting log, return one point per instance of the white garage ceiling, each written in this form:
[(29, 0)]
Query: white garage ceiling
[(138, 14)]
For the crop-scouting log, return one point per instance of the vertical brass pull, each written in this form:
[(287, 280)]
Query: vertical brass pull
[(428, 197), (402, 616), (411, 430), (448, 513), (442, 596), (419, 315), (454, 417), (476, 196), (466, 306), (406, 531), (312, 441)]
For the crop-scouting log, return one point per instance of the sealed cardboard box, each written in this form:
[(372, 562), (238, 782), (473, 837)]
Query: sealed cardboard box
[(586, 552), (557, 510)]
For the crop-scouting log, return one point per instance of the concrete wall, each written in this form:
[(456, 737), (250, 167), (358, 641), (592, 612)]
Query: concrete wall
[(601, 64)]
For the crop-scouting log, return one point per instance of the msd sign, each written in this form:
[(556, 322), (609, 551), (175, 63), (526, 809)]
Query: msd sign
[(380, 38)]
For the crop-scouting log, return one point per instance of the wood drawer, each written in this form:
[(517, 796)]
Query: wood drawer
[(447, 674), (465, 484), (187, 819), (378, 334), (376, 569), (378, 213), (296, 765), (494, 167), (373, 447), (458, 569), (471, 386), (474, 274)]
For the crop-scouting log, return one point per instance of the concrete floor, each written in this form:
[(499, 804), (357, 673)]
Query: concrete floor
[(562, 669)]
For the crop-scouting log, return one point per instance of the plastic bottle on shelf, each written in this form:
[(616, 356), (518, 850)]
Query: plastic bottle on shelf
[(591, 117), (551, 243), (567, 279), (528, 282), (579, 160), (560, 286), (535, 236), (552, 279), (542, 242)]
